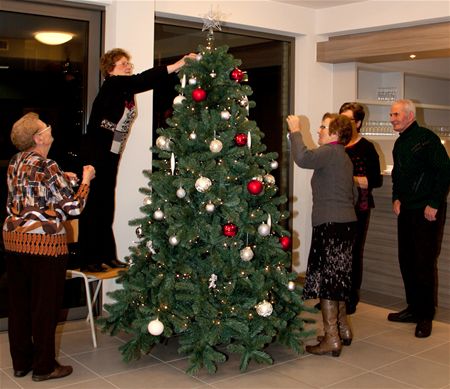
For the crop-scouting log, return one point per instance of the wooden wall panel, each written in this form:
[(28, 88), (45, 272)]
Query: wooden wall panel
[(428, 41), (381, 268)]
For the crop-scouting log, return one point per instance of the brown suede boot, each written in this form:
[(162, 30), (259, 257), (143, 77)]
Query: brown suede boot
[(344, 328), (331, 343)]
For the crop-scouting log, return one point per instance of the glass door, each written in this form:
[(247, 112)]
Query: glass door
[(58, 81)]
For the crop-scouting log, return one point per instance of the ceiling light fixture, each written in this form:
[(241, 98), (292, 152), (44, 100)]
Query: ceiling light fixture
[(412, 56), (53, 37)]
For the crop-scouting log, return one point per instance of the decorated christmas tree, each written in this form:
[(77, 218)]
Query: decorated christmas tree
[(212, 262)]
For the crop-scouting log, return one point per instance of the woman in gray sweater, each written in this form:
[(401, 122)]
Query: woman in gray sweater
[(328, 274)]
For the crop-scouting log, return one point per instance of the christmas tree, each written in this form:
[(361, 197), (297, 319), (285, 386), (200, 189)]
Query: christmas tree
[(212, 264)]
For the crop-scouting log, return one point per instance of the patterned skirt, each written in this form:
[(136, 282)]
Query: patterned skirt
[(328, 274)]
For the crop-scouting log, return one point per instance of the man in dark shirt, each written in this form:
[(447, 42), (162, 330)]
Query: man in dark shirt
[(420, 184)]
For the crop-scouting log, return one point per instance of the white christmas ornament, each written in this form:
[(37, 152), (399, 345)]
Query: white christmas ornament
[(291, 285), (158, 214), (203, 184), (274, 164), (198, 57), (249, 140), (193, 135), (148, 200), (212, 281), (210, 207), (264, 309), (172, 163), (155, 327), (216, 146), (181, 193), (150, 248), (179, 99), (192, 81), (263, 229), (173, 240), (163, 143), (213, 74), (225, 115), (246, 254)]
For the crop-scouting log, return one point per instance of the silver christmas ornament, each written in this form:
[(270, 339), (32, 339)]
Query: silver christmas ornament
[(203, 184), (246, 254), (192, 81), (264, 309), (173, 240), (274, 164), (216, 146), (291, 285), (263, 229), (210, 207), (269, 179), (181, 193), (163, 143), (139, 233), (225, 115), (155, 327), (179, 99), (158, 214)]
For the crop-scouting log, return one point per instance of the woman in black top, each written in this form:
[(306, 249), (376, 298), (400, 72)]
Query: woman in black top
[(112, 115), (367, 175)]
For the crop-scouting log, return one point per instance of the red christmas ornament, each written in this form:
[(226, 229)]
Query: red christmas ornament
[(237, 75), (285, 242), (240, 139), (199, 94), (255, 187), (230, 229)]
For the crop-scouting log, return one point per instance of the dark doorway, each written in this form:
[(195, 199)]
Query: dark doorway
[(56, 81), (267, 59)]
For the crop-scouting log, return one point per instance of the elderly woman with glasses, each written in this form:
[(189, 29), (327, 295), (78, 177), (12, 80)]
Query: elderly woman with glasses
[(112, 115), (328, 274), (40, 198)]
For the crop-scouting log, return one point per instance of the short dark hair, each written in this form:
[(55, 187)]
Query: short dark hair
[(342, 126), (357, 109), (109, 59)]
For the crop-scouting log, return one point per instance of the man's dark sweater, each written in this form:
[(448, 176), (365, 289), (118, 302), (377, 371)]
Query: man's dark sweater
[(421, 174)]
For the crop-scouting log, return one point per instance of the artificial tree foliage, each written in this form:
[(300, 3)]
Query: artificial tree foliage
[(212, 264)]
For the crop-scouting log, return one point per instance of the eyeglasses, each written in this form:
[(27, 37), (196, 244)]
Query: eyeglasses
[(43, 130), (124, 64), (322, 127)]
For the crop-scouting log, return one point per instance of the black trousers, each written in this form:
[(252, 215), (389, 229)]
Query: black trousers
[(362, 225), (35, 295), (96, 237), (419, 243)]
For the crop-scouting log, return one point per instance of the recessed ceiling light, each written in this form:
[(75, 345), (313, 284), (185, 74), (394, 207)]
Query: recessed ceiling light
[(53, 37), (412, 56)]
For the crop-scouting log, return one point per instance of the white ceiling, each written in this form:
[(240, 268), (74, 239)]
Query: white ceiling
[(318, 3)]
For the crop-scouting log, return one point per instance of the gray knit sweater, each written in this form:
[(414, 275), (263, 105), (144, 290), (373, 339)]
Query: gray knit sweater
[(332, 180)]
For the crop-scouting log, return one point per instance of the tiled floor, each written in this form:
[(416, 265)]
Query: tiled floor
[(382, 355)]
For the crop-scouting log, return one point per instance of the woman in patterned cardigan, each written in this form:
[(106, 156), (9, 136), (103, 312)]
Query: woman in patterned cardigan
[(40, 198)]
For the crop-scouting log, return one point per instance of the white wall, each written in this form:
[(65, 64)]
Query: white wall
[(129, 24)]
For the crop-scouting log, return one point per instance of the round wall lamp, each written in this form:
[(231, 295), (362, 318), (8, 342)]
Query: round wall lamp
[(53, 37)]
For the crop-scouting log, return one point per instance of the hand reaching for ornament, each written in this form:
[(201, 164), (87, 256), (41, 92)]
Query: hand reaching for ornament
[(175, 67), (293, 122)]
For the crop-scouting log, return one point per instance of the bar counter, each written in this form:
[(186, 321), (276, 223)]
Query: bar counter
[(381, 269)]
